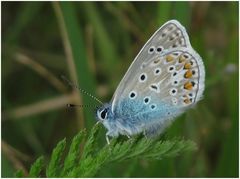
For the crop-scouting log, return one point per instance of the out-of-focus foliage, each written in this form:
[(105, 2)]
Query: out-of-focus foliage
[(93, 44)]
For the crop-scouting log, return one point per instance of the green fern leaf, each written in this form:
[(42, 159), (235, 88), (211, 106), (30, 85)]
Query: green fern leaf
[(19, 174), (36, 167), (93, 159), (55, 166), (73, 154)]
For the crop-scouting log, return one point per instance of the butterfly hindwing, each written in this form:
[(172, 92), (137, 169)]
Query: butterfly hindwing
[(168, 85)]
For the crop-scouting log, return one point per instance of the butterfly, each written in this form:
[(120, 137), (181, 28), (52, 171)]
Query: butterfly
[(165, 79)]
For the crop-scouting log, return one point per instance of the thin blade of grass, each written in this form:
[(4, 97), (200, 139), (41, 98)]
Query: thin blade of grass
[(104, 43), (79, 65)]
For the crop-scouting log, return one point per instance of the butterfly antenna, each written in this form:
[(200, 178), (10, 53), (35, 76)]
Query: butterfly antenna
[(80, 105), (81, 90)]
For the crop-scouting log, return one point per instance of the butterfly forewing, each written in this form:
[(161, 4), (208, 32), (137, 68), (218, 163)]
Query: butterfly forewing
[(169, 36)]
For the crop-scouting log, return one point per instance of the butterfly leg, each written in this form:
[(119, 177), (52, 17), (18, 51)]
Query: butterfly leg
[(109, 134), (107, 139), (131, 139), (145, 134), (98, 122)]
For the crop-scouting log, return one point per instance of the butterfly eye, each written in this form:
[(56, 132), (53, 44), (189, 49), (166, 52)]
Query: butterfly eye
[(103, 114), (151, 50)]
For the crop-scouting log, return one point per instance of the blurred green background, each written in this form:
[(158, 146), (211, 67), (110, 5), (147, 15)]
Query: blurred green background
[(93, 44)]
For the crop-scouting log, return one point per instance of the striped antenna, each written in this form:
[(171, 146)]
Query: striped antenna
[(81, 90), (80, 105)]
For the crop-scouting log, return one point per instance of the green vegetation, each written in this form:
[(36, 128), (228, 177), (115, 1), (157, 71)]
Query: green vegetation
[(92, 159), (93, 44)]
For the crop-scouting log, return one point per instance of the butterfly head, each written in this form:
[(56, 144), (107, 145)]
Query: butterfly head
[(104, 113)]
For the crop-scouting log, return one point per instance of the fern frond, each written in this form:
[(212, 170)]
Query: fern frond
[(36, 168), (73, 154), (19, 174), (91, 160), (54, 167)]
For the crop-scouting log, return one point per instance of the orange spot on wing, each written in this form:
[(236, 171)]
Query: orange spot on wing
[(169, 58), (187, 66), (188, 85), (187, 101), (188, 74)]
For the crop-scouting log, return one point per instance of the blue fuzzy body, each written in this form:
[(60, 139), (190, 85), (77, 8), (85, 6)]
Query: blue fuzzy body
[(133, 117)]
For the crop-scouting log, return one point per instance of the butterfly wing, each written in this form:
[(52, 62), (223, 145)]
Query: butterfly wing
[(165, 87), (170, 35)]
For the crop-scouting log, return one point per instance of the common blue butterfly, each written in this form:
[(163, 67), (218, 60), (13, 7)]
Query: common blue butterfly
[(165, 79)]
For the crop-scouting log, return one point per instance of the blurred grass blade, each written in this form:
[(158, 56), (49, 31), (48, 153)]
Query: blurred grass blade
[(77, 49), (104, 43)]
